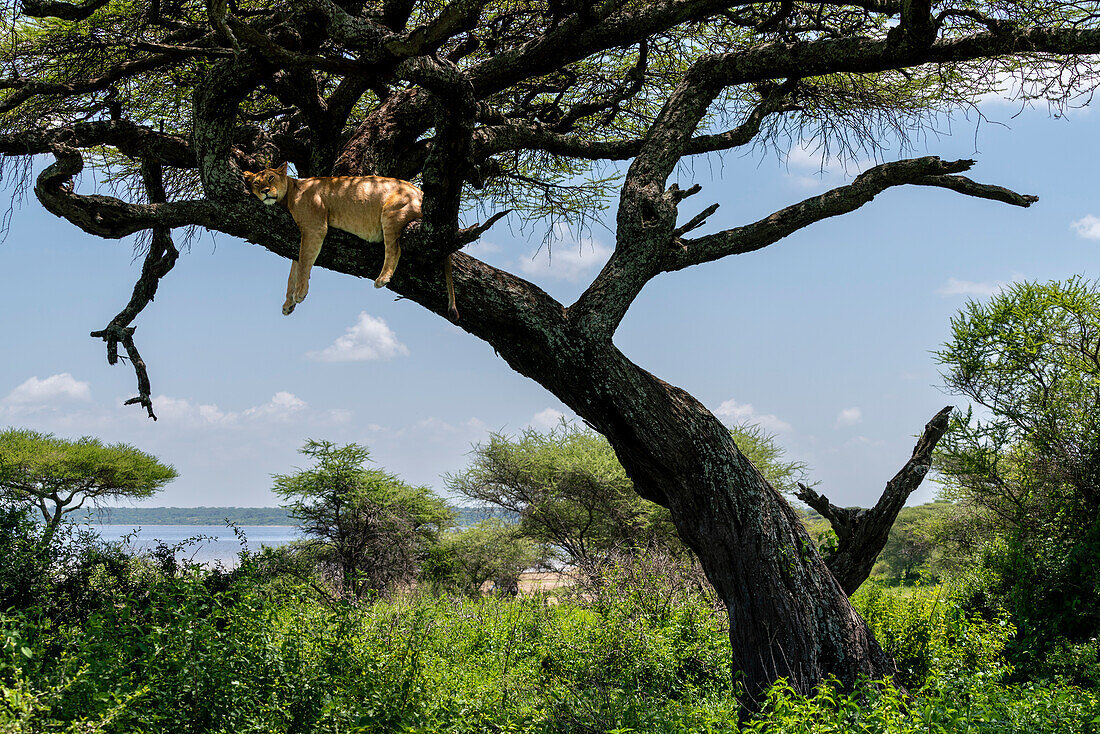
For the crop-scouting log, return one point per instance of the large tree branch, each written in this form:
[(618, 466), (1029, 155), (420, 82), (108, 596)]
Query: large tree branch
[(578, 37), (449, 158), (25, 88), (216, 106), (646, 217), (517, 135), (862, 533), (926, 171), (107, 216), (63, 10), (128, 138), (861, 54), (456, 17), (495, 302)]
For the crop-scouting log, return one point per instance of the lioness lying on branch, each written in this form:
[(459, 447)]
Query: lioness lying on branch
[(372, 207)]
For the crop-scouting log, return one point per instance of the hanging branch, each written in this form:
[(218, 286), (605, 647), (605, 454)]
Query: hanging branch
[(160, 259)]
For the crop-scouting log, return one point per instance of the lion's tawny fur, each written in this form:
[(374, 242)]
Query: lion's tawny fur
[(374, 208)]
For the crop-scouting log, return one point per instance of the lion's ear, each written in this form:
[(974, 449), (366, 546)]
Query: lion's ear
[(248, 175), (281, 170)]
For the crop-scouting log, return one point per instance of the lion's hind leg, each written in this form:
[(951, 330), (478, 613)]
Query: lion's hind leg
[(397, 211)]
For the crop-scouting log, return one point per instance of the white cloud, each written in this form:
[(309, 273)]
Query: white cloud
[(546, 419), (809, 166), (849, 417), (172, 409), (570, 259), (370, 338), (281, 406), (956, 287), (736, 412), (211, 414), (1087, 226), (434, 428), (53, 389), (340, 416)]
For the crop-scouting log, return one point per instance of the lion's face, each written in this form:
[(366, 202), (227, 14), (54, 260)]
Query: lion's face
[(269, 185)]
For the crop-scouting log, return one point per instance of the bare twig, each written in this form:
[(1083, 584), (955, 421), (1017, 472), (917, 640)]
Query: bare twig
[(159, 261)]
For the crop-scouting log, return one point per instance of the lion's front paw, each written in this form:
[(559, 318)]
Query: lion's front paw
[(301, 292), (382, 281), (288, 307)]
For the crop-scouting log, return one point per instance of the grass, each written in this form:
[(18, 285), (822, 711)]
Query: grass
[(178, 656)]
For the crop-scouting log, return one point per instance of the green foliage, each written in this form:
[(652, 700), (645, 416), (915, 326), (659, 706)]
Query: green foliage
[(641, 648), (464, 560), (967, 705), (1027, 477), (185, 654), (929, 631), (570, 493), (1051, 594), (49, 473), (1029, 356), (566, 486), (371, 529), (913, 549), (61, 575)]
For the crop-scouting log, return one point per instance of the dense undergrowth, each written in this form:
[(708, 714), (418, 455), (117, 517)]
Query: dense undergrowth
[(157, 648)]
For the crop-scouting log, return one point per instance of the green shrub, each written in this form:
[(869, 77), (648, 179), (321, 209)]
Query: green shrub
[(1051, 593), (927, 630), (642, 650)]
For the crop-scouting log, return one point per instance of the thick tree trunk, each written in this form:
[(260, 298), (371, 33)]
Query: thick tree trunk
[(789, 618)]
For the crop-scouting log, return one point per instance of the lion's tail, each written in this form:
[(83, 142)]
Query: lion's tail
[(452, 309)]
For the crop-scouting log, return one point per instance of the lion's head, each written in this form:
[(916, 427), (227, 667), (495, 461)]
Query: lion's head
[(269, 185)]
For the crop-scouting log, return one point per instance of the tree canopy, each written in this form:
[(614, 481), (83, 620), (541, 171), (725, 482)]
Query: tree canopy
[(571, 494), (58, 476), (1024, 467), (369, 527), (1030, 356)]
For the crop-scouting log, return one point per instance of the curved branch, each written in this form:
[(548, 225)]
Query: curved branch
[(863, 55), (927, 171), (159, 260), (646, 218), (25, 88), (449, 158), (534, 136), (457, 17), (107, 216), (862, 533)]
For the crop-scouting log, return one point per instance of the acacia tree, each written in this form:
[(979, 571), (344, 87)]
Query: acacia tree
[(57, 476), (523, 103), (366, 525)]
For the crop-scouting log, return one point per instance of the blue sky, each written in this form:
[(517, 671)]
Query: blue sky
[(825, 338)]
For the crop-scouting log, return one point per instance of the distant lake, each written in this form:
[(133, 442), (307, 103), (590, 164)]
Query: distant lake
[(224, 547)]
